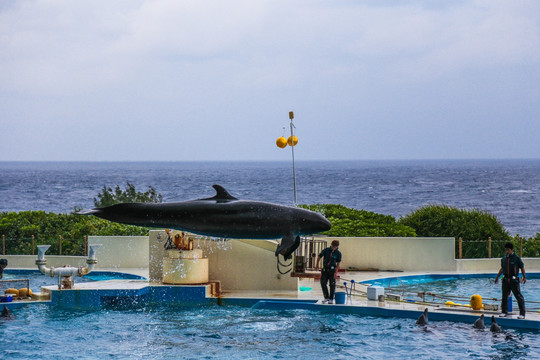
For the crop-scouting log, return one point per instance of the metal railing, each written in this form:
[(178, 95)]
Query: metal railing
[(59, 246), (474, 249), (307, 252)]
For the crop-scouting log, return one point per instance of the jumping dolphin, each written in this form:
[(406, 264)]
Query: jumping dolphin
[(423, 319), (494, 326), (222, 216), (479, 323)]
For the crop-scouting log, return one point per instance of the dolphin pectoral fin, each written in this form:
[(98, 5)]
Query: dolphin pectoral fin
[(288, 245)]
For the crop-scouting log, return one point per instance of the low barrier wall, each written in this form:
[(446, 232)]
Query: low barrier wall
[(397, 253), (121, 251), (493, 265), (250, 264), (29, 261)]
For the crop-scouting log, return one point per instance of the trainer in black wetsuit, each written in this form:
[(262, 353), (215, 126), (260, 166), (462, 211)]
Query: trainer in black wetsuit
[(510, 266), (3, 265), (331, 257)]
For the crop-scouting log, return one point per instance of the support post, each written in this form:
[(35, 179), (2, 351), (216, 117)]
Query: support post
[(520, 246), (291, 116), (460, 247), (33, 239), (60, 244), (85, 246), (3, 244), (489, 247)]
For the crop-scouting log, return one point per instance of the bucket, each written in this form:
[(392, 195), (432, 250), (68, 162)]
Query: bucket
[(340, 297), (6, 298)]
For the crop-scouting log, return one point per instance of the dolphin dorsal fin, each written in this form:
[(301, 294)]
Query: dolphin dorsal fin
[(222, 194)]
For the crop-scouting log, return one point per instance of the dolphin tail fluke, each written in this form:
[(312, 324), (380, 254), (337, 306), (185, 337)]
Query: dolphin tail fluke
[(288, 245)]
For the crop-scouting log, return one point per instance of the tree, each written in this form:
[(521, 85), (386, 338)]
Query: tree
[(109, 197), (443, 220)]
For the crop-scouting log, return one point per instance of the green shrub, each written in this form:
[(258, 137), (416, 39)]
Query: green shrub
[(446, 221), (47, 228), (347, 222)]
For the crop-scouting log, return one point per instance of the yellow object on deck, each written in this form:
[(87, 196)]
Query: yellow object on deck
[(12, 291), (476, 302), (24, 292)]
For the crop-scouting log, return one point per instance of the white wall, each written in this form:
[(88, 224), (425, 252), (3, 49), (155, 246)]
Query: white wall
[(493, 265), (121, 251), (129, 252), (251, 264), (393, 253), (29, 261), (241, 267)]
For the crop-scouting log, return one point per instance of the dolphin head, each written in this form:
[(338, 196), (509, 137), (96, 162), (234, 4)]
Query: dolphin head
[(310, 222)]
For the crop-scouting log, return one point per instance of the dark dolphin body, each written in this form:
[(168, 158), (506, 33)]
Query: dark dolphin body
[(479, 323), (222, 216), (494, 326), (423, 319), (6, 314)]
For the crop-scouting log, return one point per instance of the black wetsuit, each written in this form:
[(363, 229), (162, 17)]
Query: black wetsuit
[(330, 259), (3, 265), (511, 265)]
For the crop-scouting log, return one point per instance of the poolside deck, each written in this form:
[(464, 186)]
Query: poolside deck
[(94, 295)]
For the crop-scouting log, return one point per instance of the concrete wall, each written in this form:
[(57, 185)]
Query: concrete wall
[(121, 251), (249, 267), (237, 265), (129, 252), (251, 264), (493, 265), (29, 261), (392, 253)]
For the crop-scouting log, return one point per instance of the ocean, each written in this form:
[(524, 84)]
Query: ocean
[(509, 189)]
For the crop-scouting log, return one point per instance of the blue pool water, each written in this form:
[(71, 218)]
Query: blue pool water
[(213, 332), (460, 288), (192, 332), (37, 279)]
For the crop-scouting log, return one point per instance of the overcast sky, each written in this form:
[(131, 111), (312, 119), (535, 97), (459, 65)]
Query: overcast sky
[(214, 80)]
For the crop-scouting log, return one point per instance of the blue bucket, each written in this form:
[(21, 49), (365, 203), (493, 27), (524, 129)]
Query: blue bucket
[(340, 297), (6, 298)]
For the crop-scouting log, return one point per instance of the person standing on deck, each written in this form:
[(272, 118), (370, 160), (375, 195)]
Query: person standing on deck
[(3, 265), (510, 265), (331, 259)]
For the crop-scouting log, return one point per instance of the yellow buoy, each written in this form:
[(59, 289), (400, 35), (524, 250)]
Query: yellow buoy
[(476, 302), (12, 291), (449, 303), (292, 141), (23, 292), (281, 142)]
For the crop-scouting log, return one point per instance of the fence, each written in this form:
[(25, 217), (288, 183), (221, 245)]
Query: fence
[(59, 246), (474, 249), (307, 252)]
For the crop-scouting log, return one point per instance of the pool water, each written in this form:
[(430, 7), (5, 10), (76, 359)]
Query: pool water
[(37, 279), (461, 289), (232, 332)]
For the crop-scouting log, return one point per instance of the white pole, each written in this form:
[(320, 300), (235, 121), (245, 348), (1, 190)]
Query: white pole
[(291, 116)]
